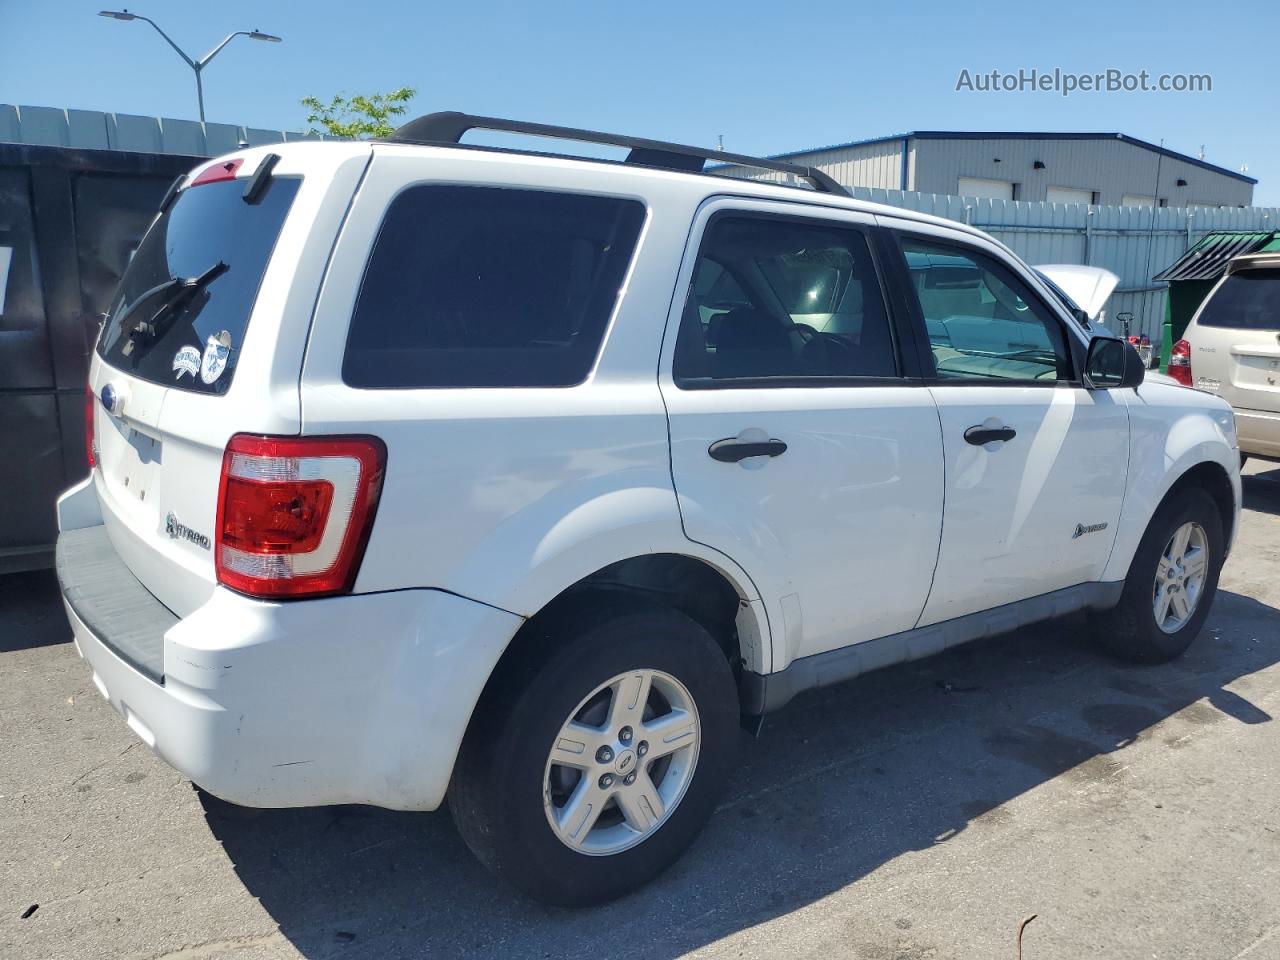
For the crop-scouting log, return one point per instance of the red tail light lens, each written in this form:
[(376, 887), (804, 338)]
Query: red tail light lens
[(1180, 362), (90, 450), (294, 513)]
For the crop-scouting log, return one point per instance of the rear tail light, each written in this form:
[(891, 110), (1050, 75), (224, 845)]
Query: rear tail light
[(1180, 363), (294, 513), (90, 448)]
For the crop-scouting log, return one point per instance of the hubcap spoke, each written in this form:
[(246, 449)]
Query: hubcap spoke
[(670, 732), (1194, 564), (580, 814), (630, 694), (1163, 596), (577, 745), (1179, 547), (1181, 606), (641, 804), (1164, 569)]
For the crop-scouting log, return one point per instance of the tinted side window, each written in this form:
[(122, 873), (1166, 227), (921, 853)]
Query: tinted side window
[(782, 299), (489, 287), (1248, 300), (981, 323)]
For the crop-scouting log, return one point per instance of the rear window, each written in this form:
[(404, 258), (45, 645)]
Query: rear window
[(1248, 300), (489, 287), (180, 313)]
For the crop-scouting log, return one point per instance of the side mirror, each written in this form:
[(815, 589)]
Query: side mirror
[(1112, 363)]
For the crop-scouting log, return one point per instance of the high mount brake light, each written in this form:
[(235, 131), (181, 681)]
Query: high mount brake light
[(222, 170), (1180, 363), (294, 513)]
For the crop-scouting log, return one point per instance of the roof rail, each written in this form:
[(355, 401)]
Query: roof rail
[(449, 127)]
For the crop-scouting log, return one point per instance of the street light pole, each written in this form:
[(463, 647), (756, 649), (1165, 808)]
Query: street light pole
[(196, 65)]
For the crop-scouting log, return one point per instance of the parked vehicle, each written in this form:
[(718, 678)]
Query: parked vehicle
[(69, 219), (427, 469), (1231, 348)]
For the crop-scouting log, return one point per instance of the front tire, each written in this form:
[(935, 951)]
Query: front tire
[(597, 754), (1171, 583)]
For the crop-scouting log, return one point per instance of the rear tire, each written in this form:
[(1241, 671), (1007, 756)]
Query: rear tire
[(550, 828), (1171, 583)]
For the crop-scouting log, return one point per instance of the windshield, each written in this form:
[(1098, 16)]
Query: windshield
[(180, 313), (1248, 300)]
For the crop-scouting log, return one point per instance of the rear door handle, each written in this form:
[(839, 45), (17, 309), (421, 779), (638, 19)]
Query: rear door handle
[(732, 450), (979, 435)]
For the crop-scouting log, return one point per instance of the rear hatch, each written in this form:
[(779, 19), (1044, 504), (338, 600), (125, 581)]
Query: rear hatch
[(1236, 343), (204, 339)]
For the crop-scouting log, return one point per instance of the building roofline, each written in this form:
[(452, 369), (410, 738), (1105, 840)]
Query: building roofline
[(1019, 135)]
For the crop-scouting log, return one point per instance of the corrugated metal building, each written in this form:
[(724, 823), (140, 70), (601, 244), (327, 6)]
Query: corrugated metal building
[(1098, 168)]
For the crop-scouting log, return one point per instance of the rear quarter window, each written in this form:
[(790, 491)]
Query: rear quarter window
[(489, 287), (1248, 300)]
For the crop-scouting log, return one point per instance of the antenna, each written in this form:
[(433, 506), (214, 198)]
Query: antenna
[(720, 142), (1151, 237)]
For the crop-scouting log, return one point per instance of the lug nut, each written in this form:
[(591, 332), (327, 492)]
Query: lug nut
[(625, 734), (606, 781), (630, 778), (643, 748), (604, 755)]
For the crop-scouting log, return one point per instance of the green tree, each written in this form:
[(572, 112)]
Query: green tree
[(358, 117)]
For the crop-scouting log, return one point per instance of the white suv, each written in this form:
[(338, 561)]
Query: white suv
[(423, 468)]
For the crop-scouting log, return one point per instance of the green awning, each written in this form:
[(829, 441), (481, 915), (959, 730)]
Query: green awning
[(1208, 259)]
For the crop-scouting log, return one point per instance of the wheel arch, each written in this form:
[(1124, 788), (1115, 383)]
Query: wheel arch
[(1201, 468)]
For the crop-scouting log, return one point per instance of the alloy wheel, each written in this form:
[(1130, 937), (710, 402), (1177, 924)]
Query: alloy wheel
[(621, 762)]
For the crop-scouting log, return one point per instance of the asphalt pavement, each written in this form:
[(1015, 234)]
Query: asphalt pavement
[(924, 811)]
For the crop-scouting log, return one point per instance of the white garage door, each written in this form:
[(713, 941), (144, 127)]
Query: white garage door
[(985, 189), (1137, 200), (1068, 195)]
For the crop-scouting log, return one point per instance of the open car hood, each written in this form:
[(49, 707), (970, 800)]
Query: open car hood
[(1087, 286)]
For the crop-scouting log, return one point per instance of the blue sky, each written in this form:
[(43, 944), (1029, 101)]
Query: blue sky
[(768, 77)]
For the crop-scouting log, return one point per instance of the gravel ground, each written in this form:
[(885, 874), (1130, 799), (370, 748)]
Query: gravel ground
[(922, 812)]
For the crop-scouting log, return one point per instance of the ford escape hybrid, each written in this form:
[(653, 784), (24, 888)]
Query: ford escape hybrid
[(427, 470)]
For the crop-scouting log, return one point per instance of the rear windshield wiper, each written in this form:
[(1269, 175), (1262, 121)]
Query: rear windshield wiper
[(178, 291)]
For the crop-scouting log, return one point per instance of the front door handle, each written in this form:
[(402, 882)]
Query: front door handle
[(732, 450), (979, 435)]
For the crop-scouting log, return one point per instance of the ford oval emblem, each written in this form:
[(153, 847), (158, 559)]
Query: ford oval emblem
[(108, 397)]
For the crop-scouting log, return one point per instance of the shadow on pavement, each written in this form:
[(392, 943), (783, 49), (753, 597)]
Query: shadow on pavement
[(31, 611), (843, 781), (1262, 489)]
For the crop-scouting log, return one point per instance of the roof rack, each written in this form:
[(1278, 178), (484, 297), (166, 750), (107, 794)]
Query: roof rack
[(449, 127)]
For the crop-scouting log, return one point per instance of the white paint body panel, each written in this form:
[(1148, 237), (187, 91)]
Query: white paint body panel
[(302, 704), (1012, 507), (841, 531), (1172, 430)]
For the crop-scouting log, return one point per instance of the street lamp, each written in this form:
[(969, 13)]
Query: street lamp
[(196, 65)]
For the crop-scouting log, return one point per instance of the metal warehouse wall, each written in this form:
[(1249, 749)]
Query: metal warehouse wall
[(868, 165), (92, 130), (1111, 167), (1132, 242)]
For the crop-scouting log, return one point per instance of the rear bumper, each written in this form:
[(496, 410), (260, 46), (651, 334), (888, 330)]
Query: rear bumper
[(1258, 432), (359, 699)]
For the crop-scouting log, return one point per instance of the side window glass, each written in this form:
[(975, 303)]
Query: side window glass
[(979, 323), (780, 299)]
